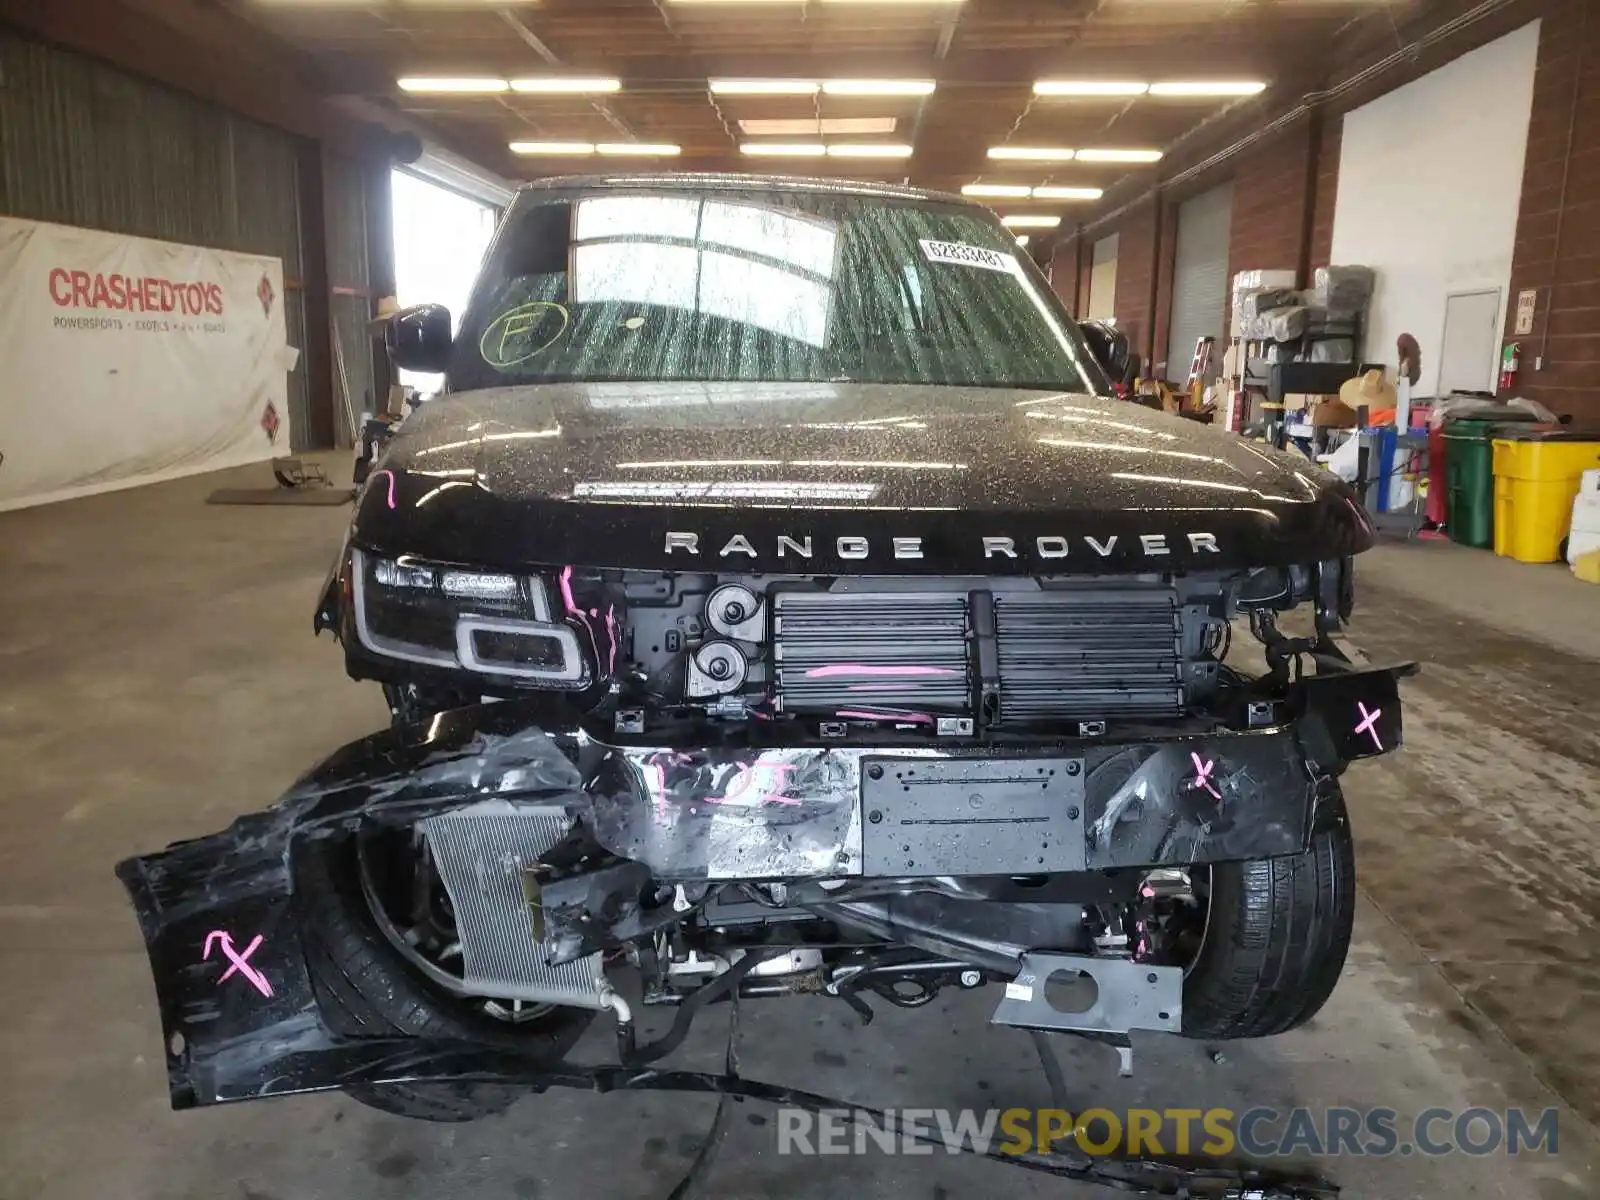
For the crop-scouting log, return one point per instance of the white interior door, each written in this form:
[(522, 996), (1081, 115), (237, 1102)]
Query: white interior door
[(1470, 351)]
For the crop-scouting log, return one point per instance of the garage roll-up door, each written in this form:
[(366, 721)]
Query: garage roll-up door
[(1200, 278)]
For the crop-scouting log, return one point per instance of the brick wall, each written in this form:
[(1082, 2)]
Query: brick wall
[(1558, 238), (1064, 274), (1136, 266), (1272, 191), (1282, 200), (1327, 190), (1166, 260)]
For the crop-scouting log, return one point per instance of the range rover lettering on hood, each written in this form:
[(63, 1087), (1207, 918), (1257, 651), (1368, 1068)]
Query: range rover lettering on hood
[(853, 547)]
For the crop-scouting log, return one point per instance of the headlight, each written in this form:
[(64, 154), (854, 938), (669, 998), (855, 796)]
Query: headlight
[(490, 624)]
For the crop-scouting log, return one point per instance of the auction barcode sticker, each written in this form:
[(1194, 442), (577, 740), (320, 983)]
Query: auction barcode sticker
[(967, 256)]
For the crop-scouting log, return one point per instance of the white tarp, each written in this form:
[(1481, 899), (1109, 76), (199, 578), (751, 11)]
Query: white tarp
[(125, 361)]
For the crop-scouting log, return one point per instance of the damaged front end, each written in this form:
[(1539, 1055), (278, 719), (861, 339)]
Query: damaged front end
[(573, 871)]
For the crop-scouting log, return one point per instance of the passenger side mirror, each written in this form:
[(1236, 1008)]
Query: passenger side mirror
[(419, 338), (1109, 345)]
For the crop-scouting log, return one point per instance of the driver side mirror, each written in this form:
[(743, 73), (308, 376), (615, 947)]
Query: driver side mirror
[(1109, 345), (419, 338)]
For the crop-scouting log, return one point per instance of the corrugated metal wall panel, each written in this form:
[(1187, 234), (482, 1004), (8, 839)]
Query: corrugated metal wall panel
[(294, 321), (346, 189), (350, 315), (84, 144), (266, 179)]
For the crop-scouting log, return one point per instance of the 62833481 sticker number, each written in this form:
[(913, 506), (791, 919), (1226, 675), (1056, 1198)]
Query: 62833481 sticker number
[(967, 256)]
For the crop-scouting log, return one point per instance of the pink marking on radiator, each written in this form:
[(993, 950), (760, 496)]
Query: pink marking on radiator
[(1369, 724), (1202, 774), (904, 672), (863, 715), (240, 961), (390, 474)]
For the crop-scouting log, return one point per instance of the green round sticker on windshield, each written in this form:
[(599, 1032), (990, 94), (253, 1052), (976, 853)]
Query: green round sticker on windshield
[(520, 333)]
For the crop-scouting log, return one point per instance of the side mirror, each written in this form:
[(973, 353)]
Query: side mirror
[(419, 338), (1109, 345)]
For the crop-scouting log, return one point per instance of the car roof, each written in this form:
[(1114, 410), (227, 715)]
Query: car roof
[(694, 182)]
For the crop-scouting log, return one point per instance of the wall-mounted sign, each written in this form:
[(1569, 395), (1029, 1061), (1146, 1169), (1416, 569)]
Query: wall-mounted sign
[(1527, 300)]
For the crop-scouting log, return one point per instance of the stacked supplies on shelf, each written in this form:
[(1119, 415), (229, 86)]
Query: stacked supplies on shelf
[(1319, 324)]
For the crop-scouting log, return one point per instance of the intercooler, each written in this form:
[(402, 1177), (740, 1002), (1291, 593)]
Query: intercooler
[(487, 854), (1018, 657)]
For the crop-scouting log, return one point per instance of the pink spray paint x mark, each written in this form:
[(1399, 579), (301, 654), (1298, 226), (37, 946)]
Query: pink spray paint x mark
[(1369, 724), (1202, 774), (390, 474), (240, 960)]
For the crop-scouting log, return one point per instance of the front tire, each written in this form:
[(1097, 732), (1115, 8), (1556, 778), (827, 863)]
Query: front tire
[(1275, 940), (366, 990)]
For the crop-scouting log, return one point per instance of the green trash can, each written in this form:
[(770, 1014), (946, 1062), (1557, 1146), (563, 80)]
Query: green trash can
[(1469, 481), (1469, 472)]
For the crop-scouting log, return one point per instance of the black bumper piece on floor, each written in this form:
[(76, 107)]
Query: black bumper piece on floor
[(241, 1020)]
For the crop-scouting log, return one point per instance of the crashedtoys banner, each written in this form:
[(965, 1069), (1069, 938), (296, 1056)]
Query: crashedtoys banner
[(127, 360)]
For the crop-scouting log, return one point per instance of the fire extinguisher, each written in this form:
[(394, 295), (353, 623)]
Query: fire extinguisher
[(1510, 361)]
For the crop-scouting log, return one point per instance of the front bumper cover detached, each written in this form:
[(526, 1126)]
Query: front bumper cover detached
[(238, 1010)]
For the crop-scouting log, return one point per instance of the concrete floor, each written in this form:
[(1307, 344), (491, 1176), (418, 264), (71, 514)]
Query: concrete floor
[(158, 676)]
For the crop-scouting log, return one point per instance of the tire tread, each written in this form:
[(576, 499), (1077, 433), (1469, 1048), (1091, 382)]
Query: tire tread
[(1277, 939)]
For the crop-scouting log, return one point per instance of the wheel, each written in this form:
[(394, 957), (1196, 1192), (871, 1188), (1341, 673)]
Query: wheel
[(1274, 939), (366, 988)]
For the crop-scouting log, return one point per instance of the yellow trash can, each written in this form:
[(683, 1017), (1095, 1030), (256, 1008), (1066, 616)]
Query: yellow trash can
[(1536, 478)]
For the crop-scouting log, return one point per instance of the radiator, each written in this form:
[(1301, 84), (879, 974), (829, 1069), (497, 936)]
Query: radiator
[(851, 650), (1091, 653), (482, 852)]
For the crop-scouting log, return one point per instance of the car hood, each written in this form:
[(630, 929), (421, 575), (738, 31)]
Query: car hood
[(840, 478)]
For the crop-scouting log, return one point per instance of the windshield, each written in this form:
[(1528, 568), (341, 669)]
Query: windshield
[(817, 287)]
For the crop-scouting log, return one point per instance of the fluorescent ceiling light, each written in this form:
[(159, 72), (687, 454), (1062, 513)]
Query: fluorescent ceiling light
[(1022, 239), (564, 148), (1213, 87), (783, 149), (999, 191), (567, 85), (458, 85), (638, 149), (891, 2), (1032, 153), (869, 150), (877, 87), (811, 126), (1089, 87), (1052, 192), (1030, 221), (763, 87), (1119, 156)]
